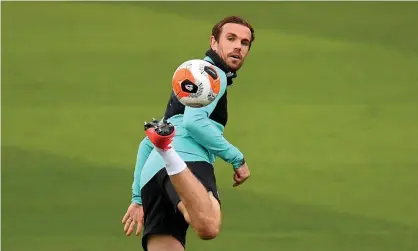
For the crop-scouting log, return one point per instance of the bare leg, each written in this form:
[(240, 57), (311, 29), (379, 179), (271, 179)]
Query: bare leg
[(217, 218), (202, 208), (164, 243)]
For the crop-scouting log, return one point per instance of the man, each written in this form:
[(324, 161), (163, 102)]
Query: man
[(174, 182)]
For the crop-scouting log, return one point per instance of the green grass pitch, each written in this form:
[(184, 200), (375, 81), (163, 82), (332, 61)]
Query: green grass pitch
[(325, 111)]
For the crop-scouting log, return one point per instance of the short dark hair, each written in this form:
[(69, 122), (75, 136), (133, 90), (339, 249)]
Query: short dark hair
[(217, 29)]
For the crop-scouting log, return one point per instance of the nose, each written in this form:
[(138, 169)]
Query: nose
[(237, 44)]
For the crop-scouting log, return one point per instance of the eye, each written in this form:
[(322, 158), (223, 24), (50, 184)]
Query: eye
[(245, 43), (230, 38)]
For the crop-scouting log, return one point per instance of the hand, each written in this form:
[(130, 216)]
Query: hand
[(241, 174), (134, 216)]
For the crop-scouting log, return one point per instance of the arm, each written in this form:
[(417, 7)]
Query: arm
[(145, 148), (197, 123)]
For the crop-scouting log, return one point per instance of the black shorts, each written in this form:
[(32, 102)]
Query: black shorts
[(159, 200)]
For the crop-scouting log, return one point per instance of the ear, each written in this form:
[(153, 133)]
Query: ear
[(213, 43)]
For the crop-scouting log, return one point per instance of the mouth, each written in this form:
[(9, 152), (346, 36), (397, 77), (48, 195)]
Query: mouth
[(235, 56)]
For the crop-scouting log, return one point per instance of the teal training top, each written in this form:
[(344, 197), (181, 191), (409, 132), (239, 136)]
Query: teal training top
[(198, 138)]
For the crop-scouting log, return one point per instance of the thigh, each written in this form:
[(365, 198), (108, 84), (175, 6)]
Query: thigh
[(204, 172), (160, 216), (164, 243)]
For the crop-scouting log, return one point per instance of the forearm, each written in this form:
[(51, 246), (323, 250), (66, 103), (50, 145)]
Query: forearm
[(201, 129), (145, 148)]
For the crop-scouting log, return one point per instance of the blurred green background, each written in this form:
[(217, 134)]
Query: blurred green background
[(325, 111)]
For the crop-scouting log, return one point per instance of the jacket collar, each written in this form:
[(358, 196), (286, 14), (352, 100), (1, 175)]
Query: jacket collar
[(214, 58)]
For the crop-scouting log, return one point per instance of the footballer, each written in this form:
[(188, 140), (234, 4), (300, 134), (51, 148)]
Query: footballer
[(174, 183)]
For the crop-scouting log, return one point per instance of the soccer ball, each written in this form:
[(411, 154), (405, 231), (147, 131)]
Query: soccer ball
[(196, 83)]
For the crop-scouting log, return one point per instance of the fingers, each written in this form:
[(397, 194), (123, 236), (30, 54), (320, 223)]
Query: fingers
[(129, 226), (130, 223), (235, 178), (138, 229), (125, 218), (140, 221), (133, 216), (240, 178), (239, 182)]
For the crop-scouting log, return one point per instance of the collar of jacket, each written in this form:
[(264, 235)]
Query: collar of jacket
[(217, 60)]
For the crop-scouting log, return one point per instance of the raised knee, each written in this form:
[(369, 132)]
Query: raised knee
[(208, 230), (208, 233)]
